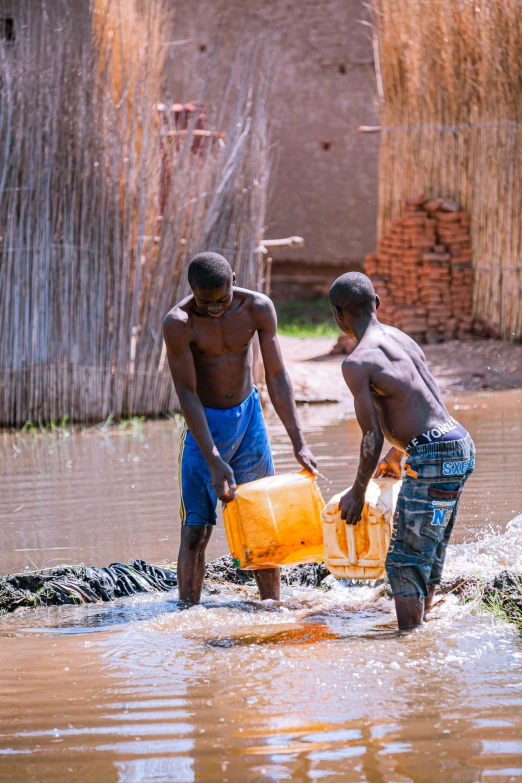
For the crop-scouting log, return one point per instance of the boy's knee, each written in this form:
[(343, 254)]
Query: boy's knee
[(196, 537), (407, 579)]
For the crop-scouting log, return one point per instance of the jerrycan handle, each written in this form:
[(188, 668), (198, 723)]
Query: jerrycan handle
[(350, 540)]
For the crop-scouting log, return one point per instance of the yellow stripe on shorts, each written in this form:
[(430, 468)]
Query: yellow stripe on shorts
[(182, 509)]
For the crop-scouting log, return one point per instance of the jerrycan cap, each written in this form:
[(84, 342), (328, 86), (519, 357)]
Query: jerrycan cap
[(306, 472)]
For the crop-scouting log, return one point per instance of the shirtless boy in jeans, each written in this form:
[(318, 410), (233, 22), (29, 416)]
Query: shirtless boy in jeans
[(396, 396), (209, 348)]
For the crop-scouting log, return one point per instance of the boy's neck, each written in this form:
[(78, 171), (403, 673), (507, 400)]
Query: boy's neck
[(363, 324)]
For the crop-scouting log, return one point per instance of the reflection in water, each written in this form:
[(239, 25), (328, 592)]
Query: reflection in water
[(118, 612), (295, 634), (317, 687), (220, 692), (100, 497)]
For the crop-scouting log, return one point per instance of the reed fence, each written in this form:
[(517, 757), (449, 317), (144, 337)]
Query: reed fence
[(449, 78), (104, 200)]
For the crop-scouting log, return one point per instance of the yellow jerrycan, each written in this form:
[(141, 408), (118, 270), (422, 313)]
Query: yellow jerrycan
[(359, 551), (276, 521)]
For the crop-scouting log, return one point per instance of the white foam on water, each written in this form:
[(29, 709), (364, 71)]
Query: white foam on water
[(492, 553), (230, 607), (236, 607)]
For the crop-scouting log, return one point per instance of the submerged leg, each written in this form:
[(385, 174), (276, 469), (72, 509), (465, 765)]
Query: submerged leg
[(410, 610), (268, 582), (191, 561), (429, 600)]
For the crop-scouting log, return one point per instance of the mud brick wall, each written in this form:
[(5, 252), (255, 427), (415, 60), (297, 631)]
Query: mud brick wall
[(324, 174), (422, 271)]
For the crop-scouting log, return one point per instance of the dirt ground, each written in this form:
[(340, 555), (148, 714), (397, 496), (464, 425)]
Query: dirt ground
[(476, 365)]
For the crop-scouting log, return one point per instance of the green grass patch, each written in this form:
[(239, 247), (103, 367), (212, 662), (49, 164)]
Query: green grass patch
[(135, 424), (300, 329), (306, 318), (504, 598)]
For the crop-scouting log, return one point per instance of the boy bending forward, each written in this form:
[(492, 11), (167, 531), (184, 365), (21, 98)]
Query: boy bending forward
[(209, 348), (396, 395)]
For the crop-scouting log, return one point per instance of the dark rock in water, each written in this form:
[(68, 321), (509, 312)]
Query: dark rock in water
[(509, 585), (465, 588), (501, 595), (504, 592), (307, 575), (223, 570), (103, 582), (81, 585)]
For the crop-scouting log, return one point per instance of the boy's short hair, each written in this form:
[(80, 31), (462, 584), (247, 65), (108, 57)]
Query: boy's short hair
[(353, 292), (209, 270)]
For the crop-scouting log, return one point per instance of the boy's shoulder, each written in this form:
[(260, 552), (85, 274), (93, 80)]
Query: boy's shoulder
[(260, 307), (386, 340), (403, 342), (365, 354), (378, 347), (254, 298), (177, 319), (358, 365)]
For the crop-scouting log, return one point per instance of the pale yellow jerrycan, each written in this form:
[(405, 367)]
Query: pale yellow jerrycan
[(359, 551), (276, 521)]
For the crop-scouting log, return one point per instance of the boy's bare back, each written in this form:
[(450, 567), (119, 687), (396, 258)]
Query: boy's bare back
[(404, 392)]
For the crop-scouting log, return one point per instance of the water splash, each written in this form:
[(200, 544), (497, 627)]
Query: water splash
[(492, 553)]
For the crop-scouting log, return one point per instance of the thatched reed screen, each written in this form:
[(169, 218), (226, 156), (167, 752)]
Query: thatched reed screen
[(104, 199), (449, 74)]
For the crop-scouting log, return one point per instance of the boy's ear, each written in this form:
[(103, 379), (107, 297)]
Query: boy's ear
[(377, 301), (233, 278), (338, 312)]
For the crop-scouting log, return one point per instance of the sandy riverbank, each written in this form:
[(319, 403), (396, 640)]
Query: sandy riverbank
[(477, 365)]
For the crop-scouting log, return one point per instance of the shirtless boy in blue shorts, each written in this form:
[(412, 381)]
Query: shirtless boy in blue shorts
[(396, 396), (209, 347)]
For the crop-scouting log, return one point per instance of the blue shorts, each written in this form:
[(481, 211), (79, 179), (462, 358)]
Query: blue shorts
[(242, 441), (426, 512)]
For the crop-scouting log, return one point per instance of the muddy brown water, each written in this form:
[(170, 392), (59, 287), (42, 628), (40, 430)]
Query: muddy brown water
[(318, 687)]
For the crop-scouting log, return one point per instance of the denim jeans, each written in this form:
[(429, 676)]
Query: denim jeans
[(425, 514)]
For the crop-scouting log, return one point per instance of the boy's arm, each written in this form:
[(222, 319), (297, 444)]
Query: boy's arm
[(278, 382), (390, 464), (358, 381), (183, 371)]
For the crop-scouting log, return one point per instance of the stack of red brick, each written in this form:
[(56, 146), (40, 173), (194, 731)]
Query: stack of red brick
[(423, 273)]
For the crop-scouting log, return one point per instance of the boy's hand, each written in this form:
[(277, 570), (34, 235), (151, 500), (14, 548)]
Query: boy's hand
[(222, 475), (305, 458), (389, 466), (351, 506)]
